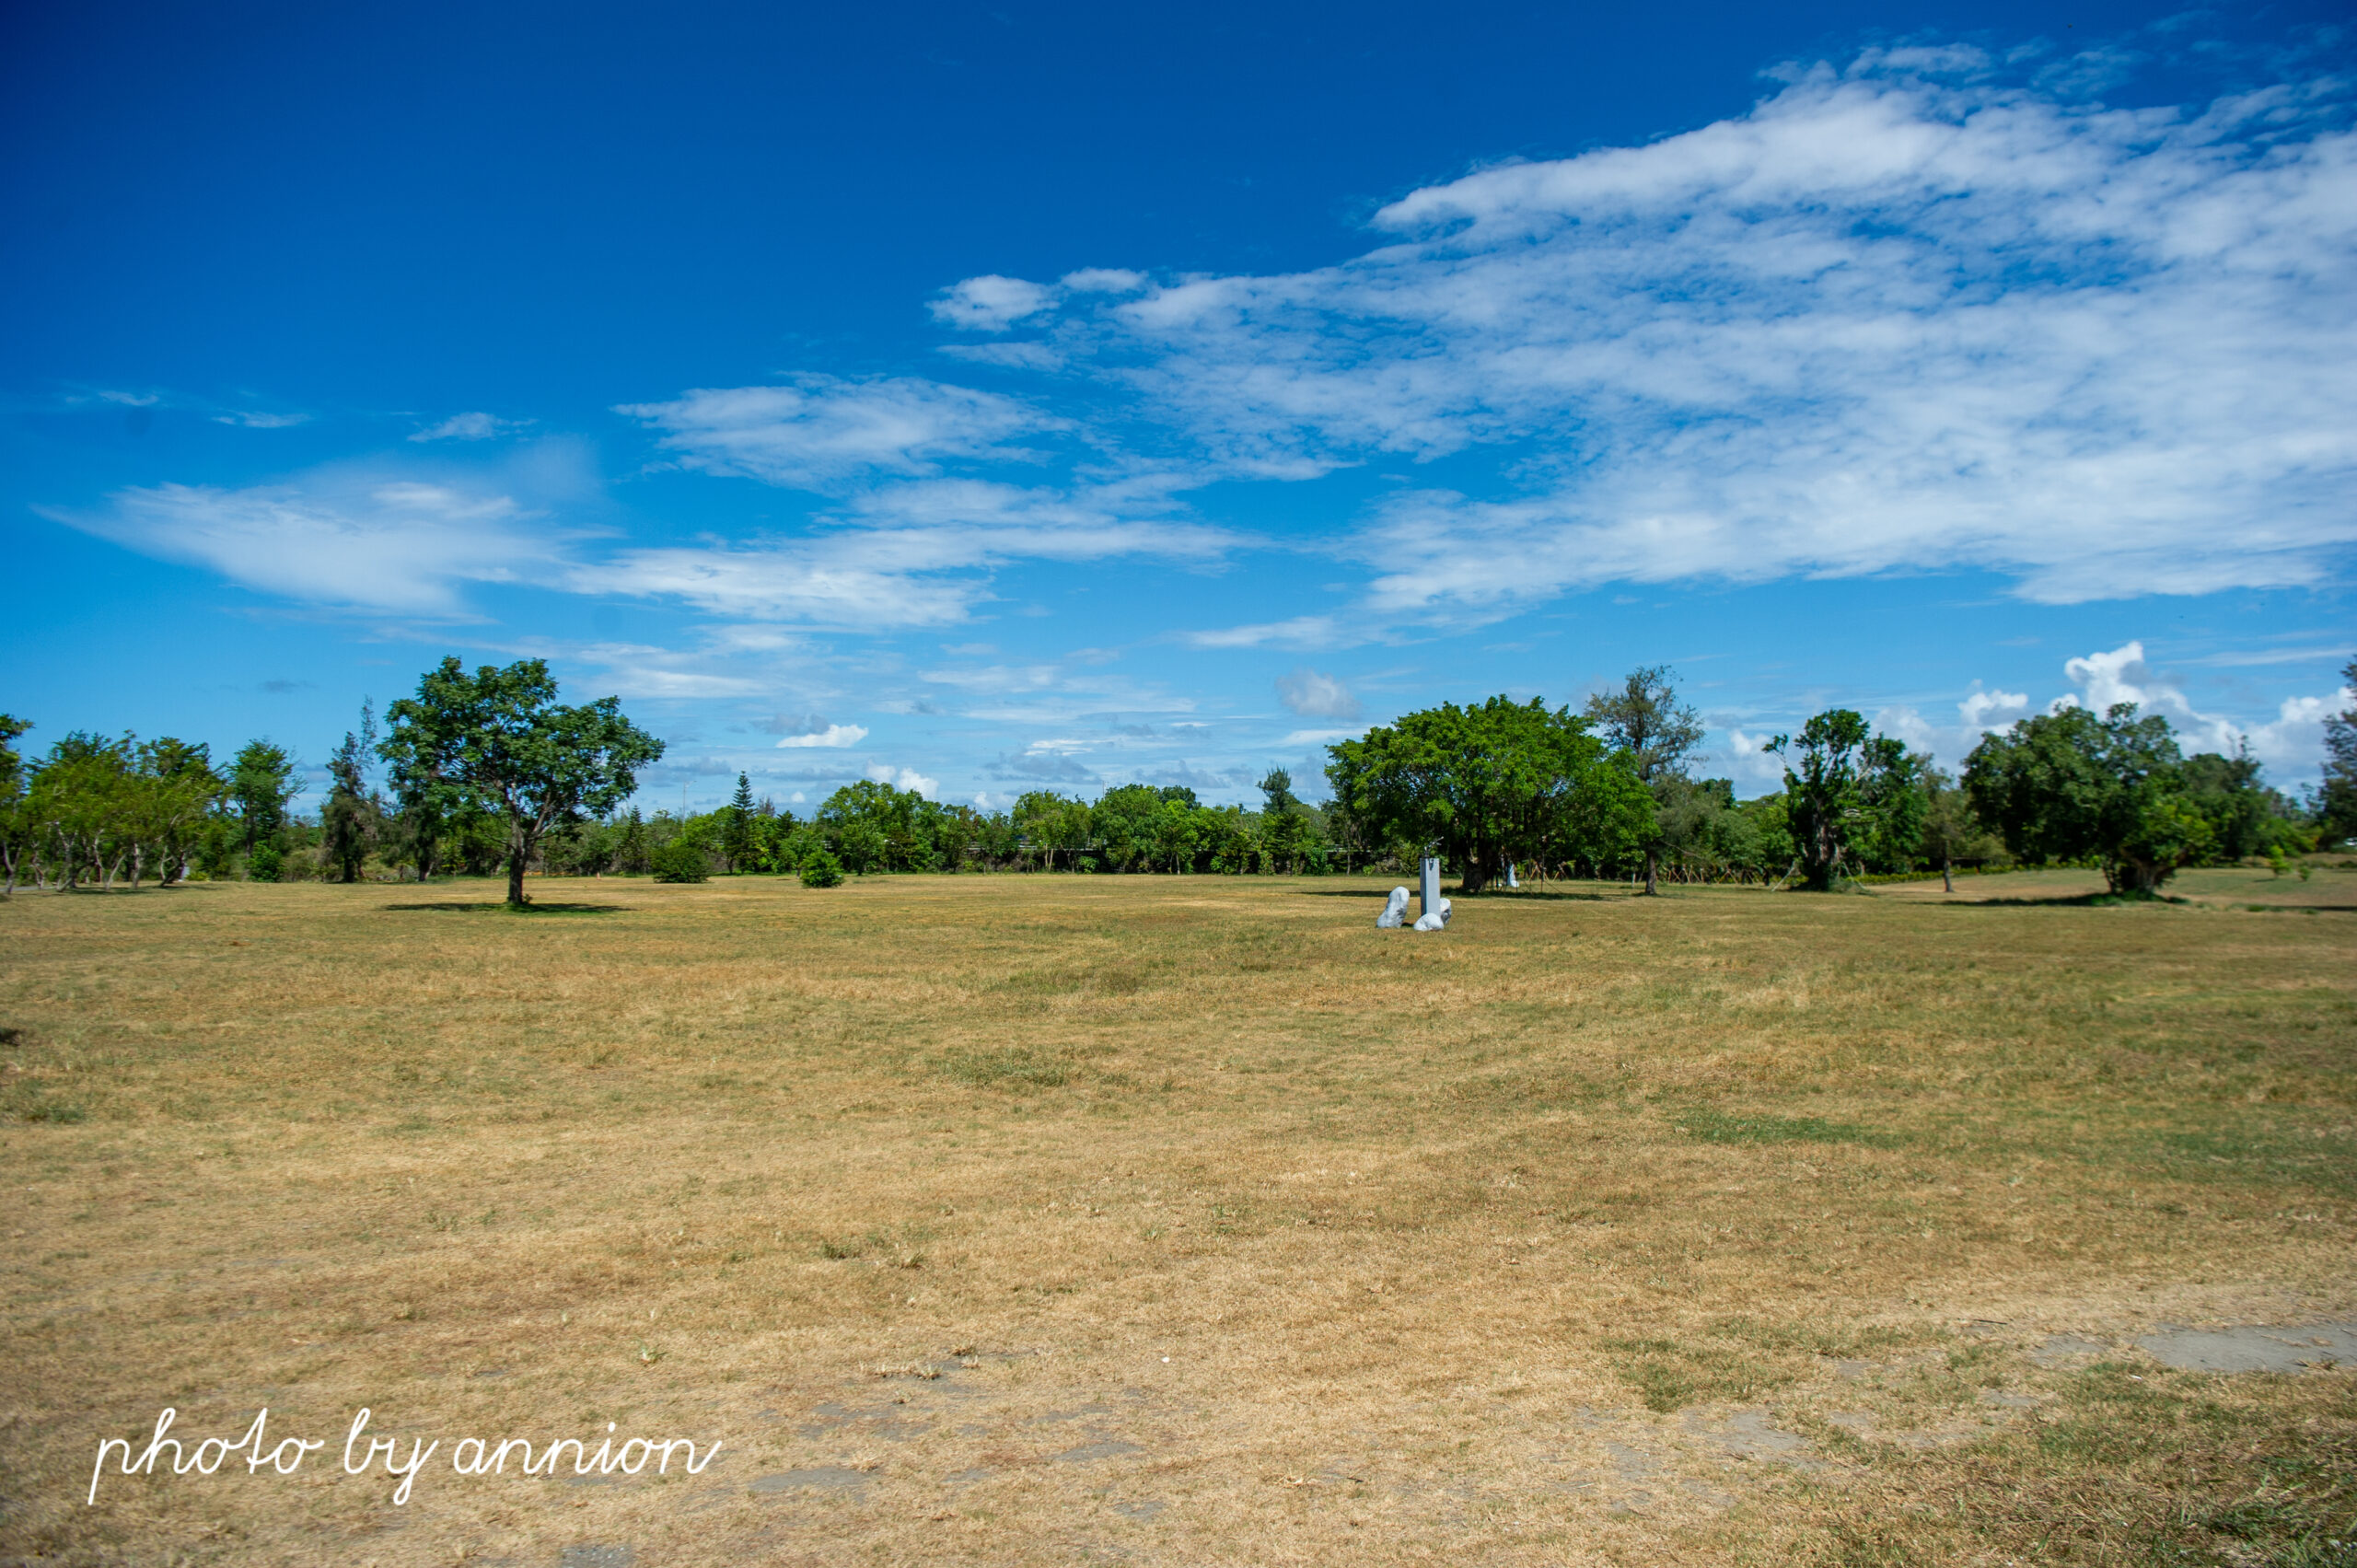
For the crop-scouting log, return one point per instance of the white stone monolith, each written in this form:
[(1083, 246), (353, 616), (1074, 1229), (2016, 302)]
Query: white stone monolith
[(1428, 886), (1512, 880), (1435, 918), (1395, 913)]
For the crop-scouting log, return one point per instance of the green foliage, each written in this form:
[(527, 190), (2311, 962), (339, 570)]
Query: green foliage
[(497, 742), (2070, 786), (821, 869), (348, 821), (2336, 805), (1500, 781), (684, 859), (265, 864), (261, 785), (1856, 796)]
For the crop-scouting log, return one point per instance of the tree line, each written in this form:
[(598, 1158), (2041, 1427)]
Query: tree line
[(486, 772)]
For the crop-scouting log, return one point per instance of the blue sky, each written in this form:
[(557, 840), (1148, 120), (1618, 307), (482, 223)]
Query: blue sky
[(1001, 397)]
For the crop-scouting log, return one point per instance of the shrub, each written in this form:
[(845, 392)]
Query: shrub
[(822, 870), (682, 860), (265, 864)]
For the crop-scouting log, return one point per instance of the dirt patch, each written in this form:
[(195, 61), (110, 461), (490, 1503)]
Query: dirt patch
[(2254, 1348)]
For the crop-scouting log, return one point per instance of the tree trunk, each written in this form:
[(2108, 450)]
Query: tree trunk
[(515, 878), (1947, 875), (1652, 875)]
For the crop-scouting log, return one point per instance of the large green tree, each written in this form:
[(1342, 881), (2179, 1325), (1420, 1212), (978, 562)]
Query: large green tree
[(1850, 794), (1498, 780), (2070, 785), (499, 741), (1645, 719)]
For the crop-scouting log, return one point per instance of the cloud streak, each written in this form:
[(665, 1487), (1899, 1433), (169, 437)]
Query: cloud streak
[(822, 432), (1915, 313)]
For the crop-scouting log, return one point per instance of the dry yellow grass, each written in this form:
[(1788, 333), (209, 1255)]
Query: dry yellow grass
[(1027, 1220)]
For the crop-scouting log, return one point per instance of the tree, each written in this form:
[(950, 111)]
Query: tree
[(348, 820), (498, 740), (2068, 785), (1856, 793), (1645, 719), (262, 784), (2337, 805), (737, 827), (1291, 834), (1483, 783), (1951, 831), (174, 795), (16, 823)]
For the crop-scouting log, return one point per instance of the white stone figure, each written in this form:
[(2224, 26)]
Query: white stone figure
[(1435, 918), (1394, 913), (1428, 886), (1512, 880)]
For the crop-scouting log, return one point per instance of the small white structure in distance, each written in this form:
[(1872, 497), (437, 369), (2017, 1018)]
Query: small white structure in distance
[(1434, 918), (1512, 880), (1394, 913), (1428, 886)]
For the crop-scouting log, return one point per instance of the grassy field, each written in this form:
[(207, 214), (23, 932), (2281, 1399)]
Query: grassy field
[(1185, 1221)]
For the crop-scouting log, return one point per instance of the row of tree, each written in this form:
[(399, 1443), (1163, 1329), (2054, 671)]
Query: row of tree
[(485, 771)]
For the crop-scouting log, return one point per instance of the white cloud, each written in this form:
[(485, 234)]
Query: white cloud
[(1751, 761), (1319, 737), (1909, 314), (1991, 709), (475, 427), (820, 431), (905, 778), (1104, 280), (353, 537), (914, 558), (990, 303), (254, 419), (1301, 632), (1316, 696), (833, 735)]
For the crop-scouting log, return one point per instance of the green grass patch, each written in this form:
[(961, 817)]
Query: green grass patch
[(1670, 1375), (1716, 1127)]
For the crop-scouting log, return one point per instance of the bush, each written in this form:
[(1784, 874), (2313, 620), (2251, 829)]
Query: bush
[(682, 860), (822, 870), (265, 864)]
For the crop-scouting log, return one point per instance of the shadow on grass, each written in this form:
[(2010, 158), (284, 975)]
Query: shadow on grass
[(502, 906)]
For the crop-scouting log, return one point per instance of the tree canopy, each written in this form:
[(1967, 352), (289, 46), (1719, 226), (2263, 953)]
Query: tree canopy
[(1849, 794), (2070, 785), (500, 741), (1501, 779)]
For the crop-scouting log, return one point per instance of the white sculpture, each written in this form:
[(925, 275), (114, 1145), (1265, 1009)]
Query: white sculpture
[(1512, 880), (1434, 918), (1394, 913), (1428, 885)]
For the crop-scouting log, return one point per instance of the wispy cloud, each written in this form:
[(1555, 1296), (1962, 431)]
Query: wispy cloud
[(1301, 632), (361, 537), (834, 735), (906, 555), (1913, 313), (1315, 696), (819, 432), (476, 426)]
